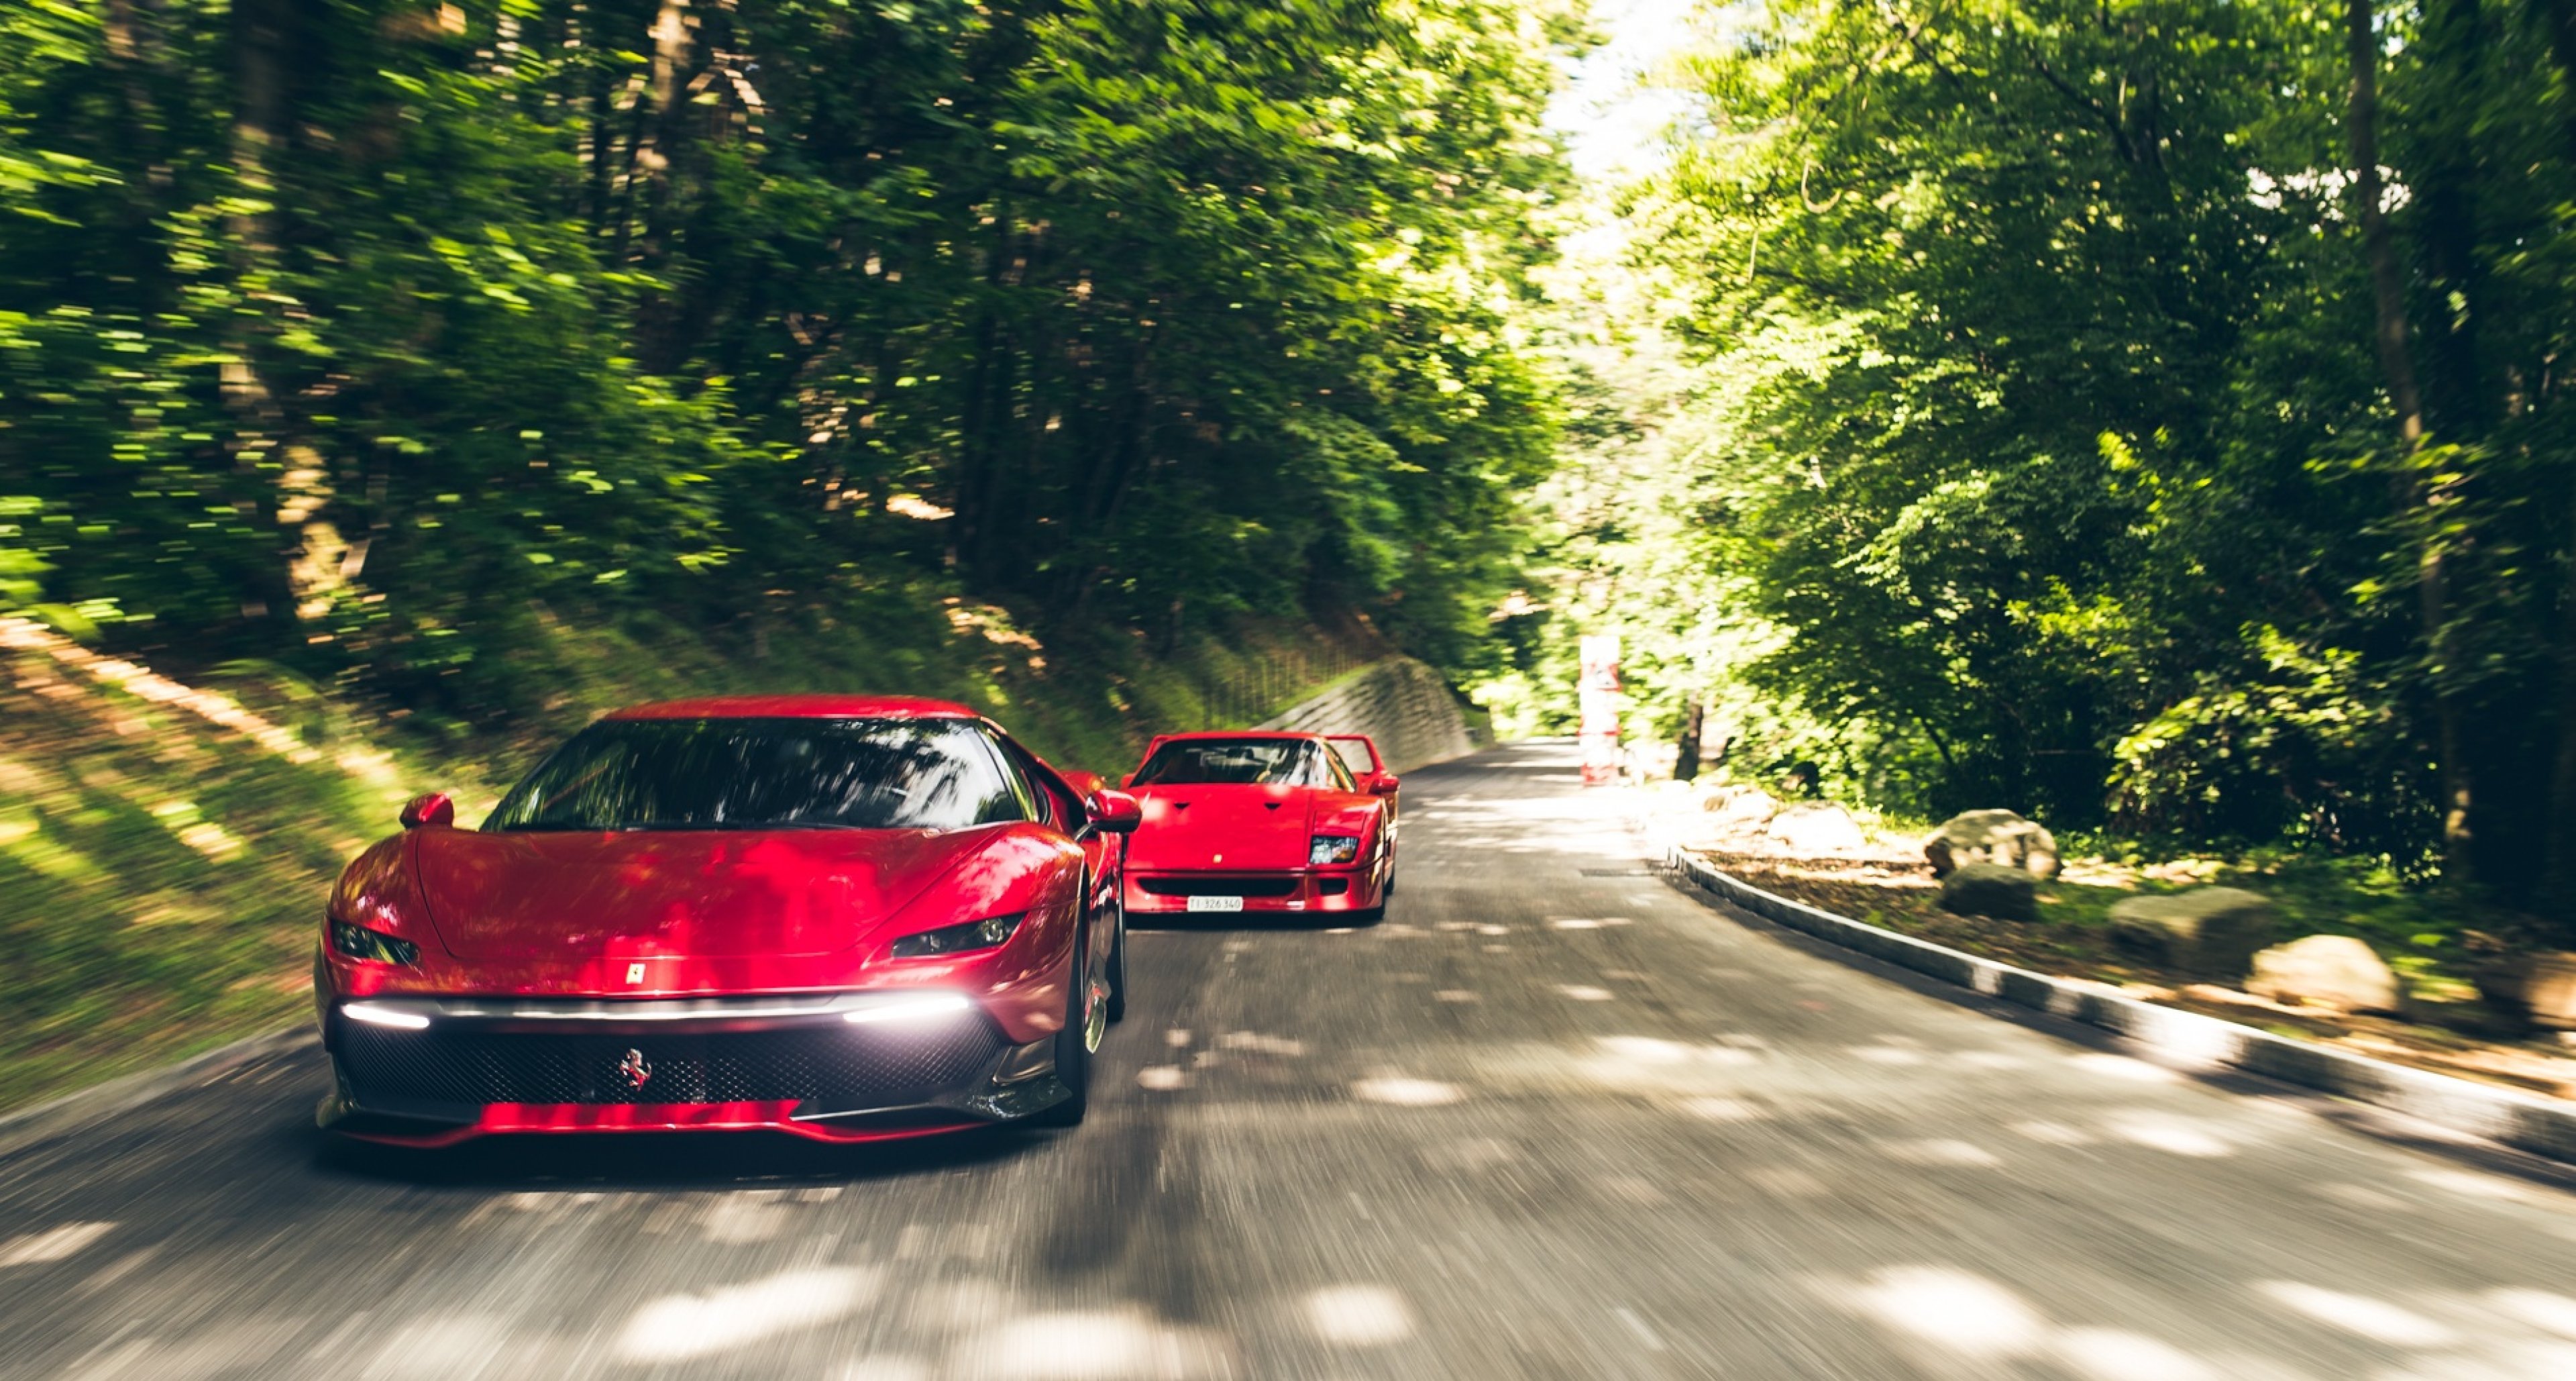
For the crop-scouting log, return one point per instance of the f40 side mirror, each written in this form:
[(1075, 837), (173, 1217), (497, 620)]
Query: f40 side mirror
[(428, 808), (1112, 812), (1383, 784)]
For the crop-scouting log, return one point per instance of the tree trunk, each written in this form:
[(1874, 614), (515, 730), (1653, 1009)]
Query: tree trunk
[(1686, 757), (2387, 287), (261, 30), (2452, 50), (2558, 886), (2559, 17), (2396, 363), (2558, 876)]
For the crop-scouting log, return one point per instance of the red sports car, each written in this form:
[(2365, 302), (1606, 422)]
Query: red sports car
[(1262, 821), (841, 917)]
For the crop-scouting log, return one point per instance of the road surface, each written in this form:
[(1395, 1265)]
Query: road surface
[(1551, 1118)]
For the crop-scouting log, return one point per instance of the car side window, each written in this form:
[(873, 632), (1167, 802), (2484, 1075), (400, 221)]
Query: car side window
[(1066, 812), (1022, 789), (1055, 806), (1341, 772)]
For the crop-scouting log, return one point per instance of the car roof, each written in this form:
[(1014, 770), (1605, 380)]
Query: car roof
[(1234, 733), (799, 707)]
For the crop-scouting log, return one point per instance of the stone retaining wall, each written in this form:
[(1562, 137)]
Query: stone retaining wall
[(1401, 703)]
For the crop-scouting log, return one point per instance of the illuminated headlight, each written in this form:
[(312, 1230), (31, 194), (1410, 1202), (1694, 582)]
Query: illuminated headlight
[(958, 939), (1333, 848), (908, 1007), (358, 942), (374, 1014)]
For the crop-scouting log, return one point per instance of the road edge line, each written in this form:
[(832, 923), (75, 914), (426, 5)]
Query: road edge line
[(82, 1108), (2186, 1039)]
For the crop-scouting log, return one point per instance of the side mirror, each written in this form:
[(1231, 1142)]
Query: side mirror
[(429, 808), (1383, 784), (1112, 812)]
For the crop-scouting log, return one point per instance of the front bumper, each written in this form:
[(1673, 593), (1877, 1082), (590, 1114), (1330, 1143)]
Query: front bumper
[(859, 1066), (1346, 887)]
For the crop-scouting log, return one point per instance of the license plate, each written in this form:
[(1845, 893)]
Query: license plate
[(1216, 903)]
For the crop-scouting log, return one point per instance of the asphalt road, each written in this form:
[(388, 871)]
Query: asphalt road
[(1550, 1118)]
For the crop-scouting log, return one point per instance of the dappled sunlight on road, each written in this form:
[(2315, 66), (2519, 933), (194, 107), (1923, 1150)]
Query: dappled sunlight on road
[(1359, 1315), (1548, 1118), (682, 1326), (1407, 1092)]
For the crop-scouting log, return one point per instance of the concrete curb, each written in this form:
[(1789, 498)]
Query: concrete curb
[(2188, 1039), (85, 1107)]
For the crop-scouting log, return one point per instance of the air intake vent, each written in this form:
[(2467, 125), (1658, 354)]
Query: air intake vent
[(1208, 885)]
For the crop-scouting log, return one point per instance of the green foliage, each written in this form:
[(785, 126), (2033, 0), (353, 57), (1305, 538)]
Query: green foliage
[(476, 367), (163, 875), (2036, 453), (378, 337)]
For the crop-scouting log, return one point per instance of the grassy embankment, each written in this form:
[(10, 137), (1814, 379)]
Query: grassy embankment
[(160, 872)]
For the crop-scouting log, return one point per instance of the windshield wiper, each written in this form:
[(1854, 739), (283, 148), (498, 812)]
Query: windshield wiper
[(731, 825), (669, 826)]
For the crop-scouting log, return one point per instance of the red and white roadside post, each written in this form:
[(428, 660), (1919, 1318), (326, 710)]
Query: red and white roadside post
[(1598, 695)]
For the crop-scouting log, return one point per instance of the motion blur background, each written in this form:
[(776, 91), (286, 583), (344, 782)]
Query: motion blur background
[(2146, 416)]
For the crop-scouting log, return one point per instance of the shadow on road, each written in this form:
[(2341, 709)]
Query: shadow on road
[(664, 1160), (1233, 922)]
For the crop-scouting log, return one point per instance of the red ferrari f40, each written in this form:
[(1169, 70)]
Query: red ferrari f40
[(1262, 821)]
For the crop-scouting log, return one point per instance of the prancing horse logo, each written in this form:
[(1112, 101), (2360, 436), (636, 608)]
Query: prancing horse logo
[(634, 1070)]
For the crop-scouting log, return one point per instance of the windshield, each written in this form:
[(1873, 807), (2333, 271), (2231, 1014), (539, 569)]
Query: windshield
[(1242, 761), (747, 774)]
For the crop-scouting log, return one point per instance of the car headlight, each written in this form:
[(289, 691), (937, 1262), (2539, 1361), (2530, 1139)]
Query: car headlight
[(1333, 848), (358, 942), (958, 939)]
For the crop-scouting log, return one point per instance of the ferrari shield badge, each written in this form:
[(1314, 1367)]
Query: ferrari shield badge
[(634, 1070)]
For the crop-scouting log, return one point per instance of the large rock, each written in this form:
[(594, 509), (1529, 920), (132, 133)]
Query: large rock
[(1991, 836), (1990, 889), (2335, 971), (2541, 986), (1812, 827), (1740, 807), (2208, 931)]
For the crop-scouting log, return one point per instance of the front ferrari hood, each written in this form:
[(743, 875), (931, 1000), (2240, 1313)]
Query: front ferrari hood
[(548, 894), (1221, 828)]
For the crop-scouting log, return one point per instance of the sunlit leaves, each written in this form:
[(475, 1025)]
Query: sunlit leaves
[(2047, 423)]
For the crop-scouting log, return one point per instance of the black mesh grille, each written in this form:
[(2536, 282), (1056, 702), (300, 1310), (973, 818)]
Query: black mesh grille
[(838, 1065), (1194, 885)]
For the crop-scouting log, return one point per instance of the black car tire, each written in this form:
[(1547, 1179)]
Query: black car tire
[(1072, 1044), (1118, 966)]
